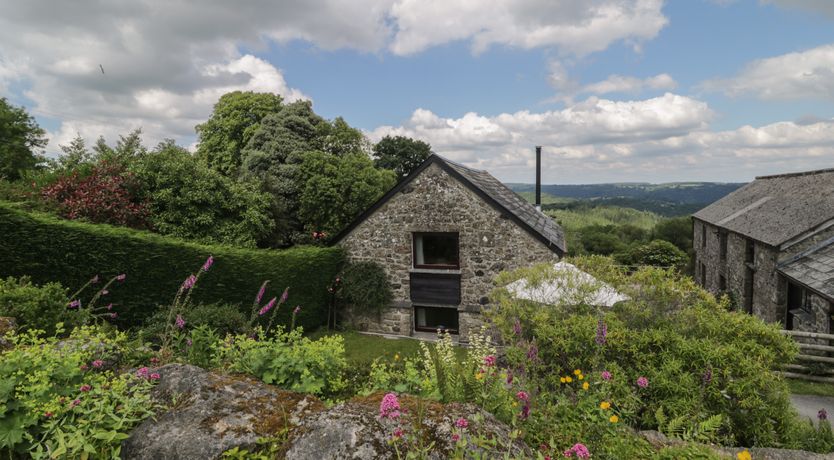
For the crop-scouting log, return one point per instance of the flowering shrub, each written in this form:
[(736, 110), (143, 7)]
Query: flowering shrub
[(57, 400), (108, 194)]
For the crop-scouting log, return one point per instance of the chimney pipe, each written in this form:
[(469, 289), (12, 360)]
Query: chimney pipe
[(538, 178)]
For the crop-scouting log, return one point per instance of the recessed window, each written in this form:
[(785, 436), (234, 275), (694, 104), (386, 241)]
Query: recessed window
[(798, 297), (436, 250), (722, 284), (749, 251), (703, 235), (723, 245), (430, 319)]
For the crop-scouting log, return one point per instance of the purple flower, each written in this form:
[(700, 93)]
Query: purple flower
[(509, 378), (533, 352), (296, 310), (398, 432), (104, 292), (489, 361), (75, 402), (517, 327), (605, 375), (48, 414), (109, 306), (121, 277), (707, 377), (84, 367), (822, 414), (154, 376), (389, 407), (188, 342), (642, 382), (94, 280), (209, 262), (75, 304), (461, 423), (455, 437), (114, 315), (285, 295), (98, 363), (261, 293), (142, 372), (267, 307), (602, 331), (179, 322), (525, 412), (522, 395), (579, 449), (189, 282)]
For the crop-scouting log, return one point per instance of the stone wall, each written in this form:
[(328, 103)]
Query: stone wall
[(818, 319), (436, 202)]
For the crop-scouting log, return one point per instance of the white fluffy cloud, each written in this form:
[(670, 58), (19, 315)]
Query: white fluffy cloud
[(630, 85), (602, 141), (800, 75)]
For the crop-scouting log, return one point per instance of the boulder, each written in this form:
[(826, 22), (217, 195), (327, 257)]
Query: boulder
[(7, 324), (659, 440)]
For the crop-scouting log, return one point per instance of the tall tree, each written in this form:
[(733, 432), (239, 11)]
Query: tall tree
[(20, 137), (236, 117), (75, 154), (400, 154)]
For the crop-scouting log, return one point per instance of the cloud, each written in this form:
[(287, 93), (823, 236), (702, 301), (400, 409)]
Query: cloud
[(800, 75), (630, 85), (578, 28), (826, 7), (599, 140)]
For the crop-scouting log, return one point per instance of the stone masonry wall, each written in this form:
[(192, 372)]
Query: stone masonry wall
[(436, 202)]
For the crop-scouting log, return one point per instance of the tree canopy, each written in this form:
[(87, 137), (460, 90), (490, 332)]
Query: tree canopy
[(400, 154), (20, 139)]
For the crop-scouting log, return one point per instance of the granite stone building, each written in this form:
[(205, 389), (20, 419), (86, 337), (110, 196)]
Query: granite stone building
[(442, 234), (770, 246)]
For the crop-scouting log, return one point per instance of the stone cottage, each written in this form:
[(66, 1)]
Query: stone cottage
[(770, 246), (442, 234)]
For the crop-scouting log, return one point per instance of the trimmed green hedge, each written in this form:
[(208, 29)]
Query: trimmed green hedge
[(50, 249)]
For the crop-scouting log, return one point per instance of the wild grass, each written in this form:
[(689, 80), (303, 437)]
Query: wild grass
[(572, 220)]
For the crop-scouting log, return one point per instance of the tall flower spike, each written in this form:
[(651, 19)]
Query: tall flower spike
[(602, 331), (209, 262), (261, 293), (267, 307), (285, 295), (180, 322)]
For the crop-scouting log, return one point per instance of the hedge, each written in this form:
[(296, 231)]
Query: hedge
[(51, 249)]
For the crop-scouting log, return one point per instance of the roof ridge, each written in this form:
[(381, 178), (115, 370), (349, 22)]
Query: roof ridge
[(459, 164), (796, 174)]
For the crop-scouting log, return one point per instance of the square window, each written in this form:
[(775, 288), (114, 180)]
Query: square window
[(430, 319), (436, 250)]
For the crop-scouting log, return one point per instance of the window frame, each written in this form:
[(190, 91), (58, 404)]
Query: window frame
[(434, 329), (414, 263)]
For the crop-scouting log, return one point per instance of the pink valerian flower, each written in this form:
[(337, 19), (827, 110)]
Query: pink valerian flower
[(189, 282), (389, 407), (602, 331), (455, 437), (489, 361), (522, 395), (154, 376), (642, 382), (462, 423), (267, 307), (85, 388), (75, 402), (605, 375), (75, 304), (579, 449), (209, 262), (121, 277), (98, 363), (398, 433), (143, 372), (179, 322)]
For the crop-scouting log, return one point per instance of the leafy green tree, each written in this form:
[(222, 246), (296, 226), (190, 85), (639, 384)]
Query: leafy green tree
[(20, 137), (339, 138), (192, 201), (337, 189), (658, 253), (400, 154), (75, 155), (236, 117), (677, 231), (127, 149)]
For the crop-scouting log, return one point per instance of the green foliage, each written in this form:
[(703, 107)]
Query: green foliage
[(677, 231), (658, 253), (191, 201), (56, 400), (50, 249), (400, 154), (336, 189), (575, 219), (700, 359), (20, 137), (806, 436), (221, 317), (287, 360), (37, 307), (365, 288), (236, 116)]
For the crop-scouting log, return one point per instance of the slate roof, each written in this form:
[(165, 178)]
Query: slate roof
[(491, 190), (774, 209), (814, 268)]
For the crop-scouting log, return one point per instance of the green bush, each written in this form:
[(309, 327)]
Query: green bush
[(700, 359), (51, 249), (57, 400), (658, 253), (364, 288), (221, 317), (37, 307)]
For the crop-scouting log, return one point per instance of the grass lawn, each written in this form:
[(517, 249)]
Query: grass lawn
[(801, 387), (361, 349)]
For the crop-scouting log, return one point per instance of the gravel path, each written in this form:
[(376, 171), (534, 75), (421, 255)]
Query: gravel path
[(809, 405)]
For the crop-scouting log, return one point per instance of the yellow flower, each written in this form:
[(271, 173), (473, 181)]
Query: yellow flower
[(569, 379), (613, 419), (577, 372), (515, 404), (605, 405), (396, 357), (585, 386), (744, 455), (503, 376), (580, 376), (563, 380), (479, 375)]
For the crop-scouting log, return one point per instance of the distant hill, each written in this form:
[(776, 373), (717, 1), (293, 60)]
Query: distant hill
[(672, 199)]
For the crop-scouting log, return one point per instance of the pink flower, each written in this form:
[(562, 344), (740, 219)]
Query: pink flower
[(522, 395), (109, 306), (104, 292), (605, 375), (98, 363), (267, 307), (296, 310), (642, 382), (94, 280), (121, 277), (85, 388), (389, 407), (155, 376), (602, 331), (398, 433), (209, 262), (461, 423), (189, 282), (285, 295), (83, 367), (75, 304), (455, 437), (489, 360), (188, 342), (114, 315), (154, 360), (143, 372), (579, 449), (75, 402), (48, 414), (509, 378), (261, 293), (525, 412), (179, 322)]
